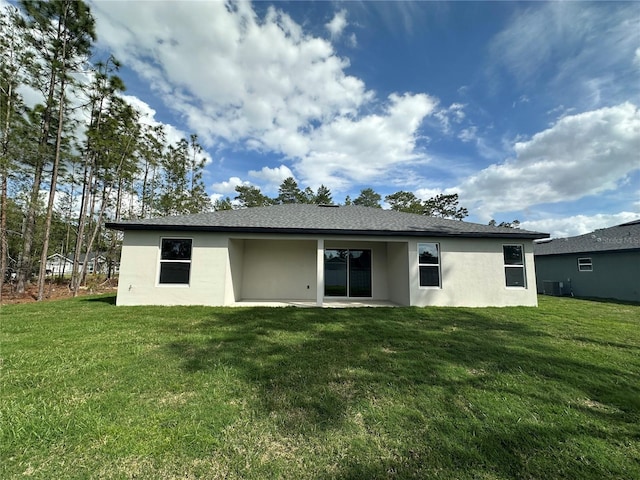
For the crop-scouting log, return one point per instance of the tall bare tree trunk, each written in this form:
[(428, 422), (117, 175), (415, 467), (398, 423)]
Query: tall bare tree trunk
[(4, 241), (24, 260), (52, 195), (84, 205), (4, 244)]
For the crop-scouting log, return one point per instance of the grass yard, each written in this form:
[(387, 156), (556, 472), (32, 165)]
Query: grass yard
[(90, 390)]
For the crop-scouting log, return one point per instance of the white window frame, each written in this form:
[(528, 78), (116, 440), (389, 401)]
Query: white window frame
[(588, 264), (161, 261), (523, 266), (438, 265)]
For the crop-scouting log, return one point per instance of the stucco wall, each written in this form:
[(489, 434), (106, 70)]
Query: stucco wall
[(397, 268), (472, 272), (615, 274), (254, 267), (140, 264), (279, 270), (233, 291)]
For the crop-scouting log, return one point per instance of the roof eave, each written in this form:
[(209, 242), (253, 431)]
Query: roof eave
[(323, 231), (588, 252)]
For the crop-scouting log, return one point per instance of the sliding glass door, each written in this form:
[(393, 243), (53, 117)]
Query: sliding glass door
[(347, 273)]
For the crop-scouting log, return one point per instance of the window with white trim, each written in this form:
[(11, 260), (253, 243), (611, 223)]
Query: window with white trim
[(429, 264), (175, 261), (585, 264), (514, 271)]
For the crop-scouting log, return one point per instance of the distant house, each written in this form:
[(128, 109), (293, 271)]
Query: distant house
[(58, 264), (601, 264), (320, 255)]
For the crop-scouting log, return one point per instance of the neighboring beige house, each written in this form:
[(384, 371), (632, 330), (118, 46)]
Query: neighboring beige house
[(323, 254)]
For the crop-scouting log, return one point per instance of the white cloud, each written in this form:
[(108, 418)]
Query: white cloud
[(522, 99), (453, 113), (267, 85), (367, 149), (271, 178), (579, 224), (572, 47), (427, 193), (468, 134), (636, 57), (583, 154), (231, 74), (337, 24), (228, 187)]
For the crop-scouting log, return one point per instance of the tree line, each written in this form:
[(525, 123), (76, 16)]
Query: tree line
[(78, 154), (442, 205)]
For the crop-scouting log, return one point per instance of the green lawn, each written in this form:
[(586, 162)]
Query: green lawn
[(90, 390)]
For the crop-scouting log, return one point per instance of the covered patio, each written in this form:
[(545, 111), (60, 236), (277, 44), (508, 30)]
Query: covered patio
[(329, 272)]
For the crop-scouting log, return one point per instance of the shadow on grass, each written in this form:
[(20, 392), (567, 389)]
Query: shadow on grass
[(109, 299), (614, 301), (450, 388)]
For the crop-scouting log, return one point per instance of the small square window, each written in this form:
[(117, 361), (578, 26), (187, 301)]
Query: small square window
[(514, 277), (513, 255), (585, 265)]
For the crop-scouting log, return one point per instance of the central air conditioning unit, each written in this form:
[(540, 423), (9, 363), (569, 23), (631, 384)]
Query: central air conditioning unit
[(552, 288)]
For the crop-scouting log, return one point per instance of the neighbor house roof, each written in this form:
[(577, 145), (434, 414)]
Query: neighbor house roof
[(621, 237), (325, 220)]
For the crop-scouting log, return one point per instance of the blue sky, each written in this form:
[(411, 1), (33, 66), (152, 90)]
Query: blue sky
[(526, 110)]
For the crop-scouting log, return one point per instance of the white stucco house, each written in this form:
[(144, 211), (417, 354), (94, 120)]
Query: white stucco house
[(323, 254)]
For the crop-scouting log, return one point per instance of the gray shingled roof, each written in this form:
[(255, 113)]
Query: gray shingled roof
[(314, 219), (621, 237)]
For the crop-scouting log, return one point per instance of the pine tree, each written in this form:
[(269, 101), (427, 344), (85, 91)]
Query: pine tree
[(61, 34), (289, 192), (150, 152), (115, 167), (199, 201), (222, 204), (323, 196), (444, 206), (103, 100), (250, 196), (404, 202), (13, 61), (368, 198)]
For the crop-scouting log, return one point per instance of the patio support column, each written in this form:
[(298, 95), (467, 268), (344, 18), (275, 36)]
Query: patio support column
[(320, 273)]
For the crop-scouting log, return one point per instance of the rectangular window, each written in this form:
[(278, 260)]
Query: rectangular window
[(585, 265), (514, 266), (429, 264), (175, 261)]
